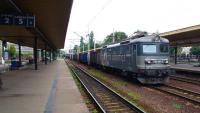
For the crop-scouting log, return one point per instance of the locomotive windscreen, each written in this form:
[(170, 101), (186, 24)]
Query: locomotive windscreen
[(149, 48), (164, 48)]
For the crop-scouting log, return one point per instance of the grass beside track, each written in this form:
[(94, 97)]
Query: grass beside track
[(86, 98), (119, 87)]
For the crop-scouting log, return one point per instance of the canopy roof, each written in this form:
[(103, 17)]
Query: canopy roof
[(52, 17), (183, 37)]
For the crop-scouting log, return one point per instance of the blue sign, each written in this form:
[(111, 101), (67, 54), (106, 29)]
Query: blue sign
[(30, 21), (6, 19), (18, 20)]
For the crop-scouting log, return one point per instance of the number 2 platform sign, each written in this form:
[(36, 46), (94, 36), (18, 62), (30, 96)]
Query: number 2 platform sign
[(17, 20)]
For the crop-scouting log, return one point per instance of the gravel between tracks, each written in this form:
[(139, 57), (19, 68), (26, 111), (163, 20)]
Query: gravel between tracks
[(185, 85), (151, 100)]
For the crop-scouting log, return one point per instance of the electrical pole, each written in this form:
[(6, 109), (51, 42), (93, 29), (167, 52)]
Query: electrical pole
[(94, 45), (88, 47), (113, 36), (80, 37), (83, 47)]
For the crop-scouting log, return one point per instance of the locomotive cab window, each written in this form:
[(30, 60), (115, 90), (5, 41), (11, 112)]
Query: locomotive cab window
[(134, 47), (149, 48), (164, 48)]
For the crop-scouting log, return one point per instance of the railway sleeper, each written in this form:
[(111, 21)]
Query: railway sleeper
[(116, 103), (107, 101), (114, 107), (119, 110)]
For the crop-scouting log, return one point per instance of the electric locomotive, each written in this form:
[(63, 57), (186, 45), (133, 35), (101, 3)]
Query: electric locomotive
[(152, 59), (145, 58)]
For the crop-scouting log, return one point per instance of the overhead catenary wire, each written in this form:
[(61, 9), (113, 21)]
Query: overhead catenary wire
[(98, 13), (92, 20)]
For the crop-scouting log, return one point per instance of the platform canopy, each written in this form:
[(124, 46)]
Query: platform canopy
[(183, 37), (51, 18)]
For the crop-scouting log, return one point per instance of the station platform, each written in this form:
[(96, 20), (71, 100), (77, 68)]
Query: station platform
[(50, 89), (185, 67)]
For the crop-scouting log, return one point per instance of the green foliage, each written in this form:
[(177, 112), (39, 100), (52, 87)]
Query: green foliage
[(98, 74), (85, 45), (12, 51), (98, 45), (108, 40), (81, 44), (118, 36), (172, 50), (179, 50), (120, 83), (27, 55), (195, 50), (177, 106), (76, 48), (135, 97), (94, 111), (61, 53)]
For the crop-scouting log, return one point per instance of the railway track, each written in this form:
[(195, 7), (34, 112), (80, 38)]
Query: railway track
[(184, 79), (191, 96), (106, 99)]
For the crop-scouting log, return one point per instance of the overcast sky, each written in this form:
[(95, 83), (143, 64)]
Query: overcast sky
[(102, 16)]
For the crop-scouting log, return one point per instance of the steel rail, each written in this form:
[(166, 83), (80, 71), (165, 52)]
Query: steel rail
[(184, 79), (179, 92), (184, 90), (104, 103)]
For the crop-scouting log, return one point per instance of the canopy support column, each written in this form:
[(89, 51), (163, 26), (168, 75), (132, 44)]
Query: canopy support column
[(35, 53), (42, 55), (4, 43), (20, 58), (53, 55), (175, 56), (50, 55), (45, 54)]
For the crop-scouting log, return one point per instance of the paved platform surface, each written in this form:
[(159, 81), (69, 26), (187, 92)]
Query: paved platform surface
[(186, 67), (50, 89)]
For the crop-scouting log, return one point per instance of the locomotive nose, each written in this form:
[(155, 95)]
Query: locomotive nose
[(161, 73), (158, 73), (165, 73)]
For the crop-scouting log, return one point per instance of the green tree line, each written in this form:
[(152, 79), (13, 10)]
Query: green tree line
[(116, 36)]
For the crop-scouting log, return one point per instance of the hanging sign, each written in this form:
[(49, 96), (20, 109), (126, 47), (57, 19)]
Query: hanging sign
[(18, 20)]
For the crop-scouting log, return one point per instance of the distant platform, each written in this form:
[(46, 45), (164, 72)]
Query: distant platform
[(186, 67)]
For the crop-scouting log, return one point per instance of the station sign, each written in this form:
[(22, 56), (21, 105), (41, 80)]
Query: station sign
[(17, 20)]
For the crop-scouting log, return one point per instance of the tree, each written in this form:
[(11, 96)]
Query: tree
[(61, 53), (81, 44), (179, 50), (85, 46), (195, 50), (12, 51), (76, 48), (118, 36), (172, 50), (98, 45)]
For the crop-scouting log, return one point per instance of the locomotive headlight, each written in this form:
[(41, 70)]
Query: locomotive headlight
[(147, 61), (166, 61)]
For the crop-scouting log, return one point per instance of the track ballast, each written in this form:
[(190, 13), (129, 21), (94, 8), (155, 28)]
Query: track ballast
[(106, 99)]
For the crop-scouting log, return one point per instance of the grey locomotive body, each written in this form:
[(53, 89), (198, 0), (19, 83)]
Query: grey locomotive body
[(145, 58)]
